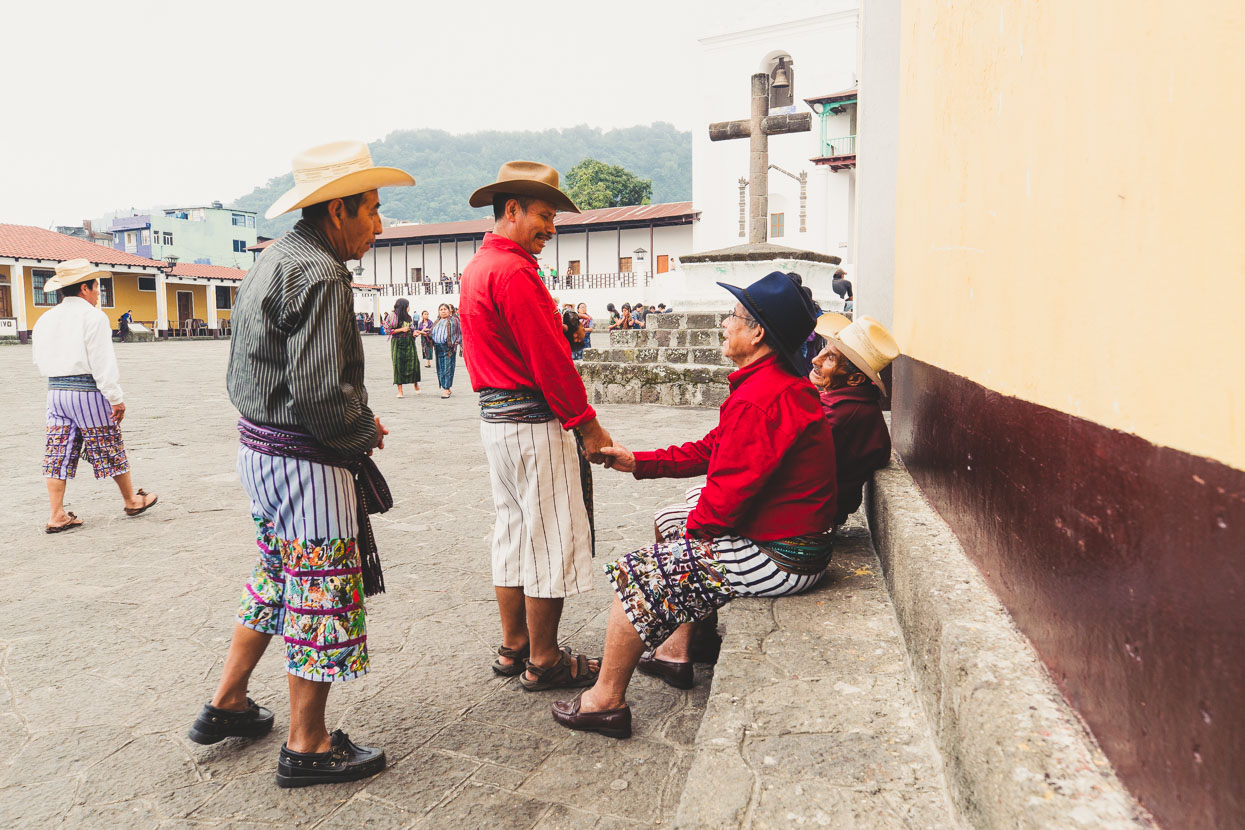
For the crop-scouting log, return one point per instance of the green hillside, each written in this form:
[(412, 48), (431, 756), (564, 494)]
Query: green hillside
[(448, 167)]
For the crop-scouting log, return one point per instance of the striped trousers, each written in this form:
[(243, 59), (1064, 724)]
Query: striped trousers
[(307, 585), (541, 540), (79, 422)]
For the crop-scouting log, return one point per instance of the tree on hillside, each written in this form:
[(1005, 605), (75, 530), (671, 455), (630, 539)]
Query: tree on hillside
[(595, 184)]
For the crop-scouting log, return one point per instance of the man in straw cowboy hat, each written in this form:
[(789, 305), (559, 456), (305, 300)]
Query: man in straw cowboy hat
[(759, 526), (847, 373), (531, 402), (73, 350), (296, 377)]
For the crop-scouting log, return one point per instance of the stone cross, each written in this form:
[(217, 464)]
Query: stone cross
[(757, 130)]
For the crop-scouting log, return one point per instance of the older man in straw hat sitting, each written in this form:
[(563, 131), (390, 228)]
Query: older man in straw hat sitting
[(531, 401), (296, 377), (848, 375), (73, 350), (759, 527)]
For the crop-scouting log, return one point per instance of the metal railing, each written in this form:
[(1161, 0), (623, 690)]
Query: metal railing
[(612, 279), (841, 146)]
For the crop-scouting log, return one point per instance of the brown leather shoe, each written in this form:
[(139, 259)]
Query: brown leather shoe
[(678, 675), (612, 723)]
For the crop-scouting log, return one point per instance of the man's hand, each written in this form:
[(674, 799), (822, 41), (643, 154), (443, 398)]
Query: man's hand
[(381, 432), (619, 458), (595, 437), (118, 412)]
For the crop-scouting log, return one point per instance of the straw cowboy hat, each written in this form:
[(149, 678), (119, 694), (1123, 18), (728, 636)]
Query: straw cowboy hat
[(783, 310), (864, 341), (72, 272), (333, 171), (525, 178)]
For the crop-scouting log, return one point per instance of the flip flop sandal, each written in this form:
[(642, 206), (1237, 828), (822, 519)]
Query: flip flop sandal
[(518, 658), (558, 676), (134, 511), (73, 522)]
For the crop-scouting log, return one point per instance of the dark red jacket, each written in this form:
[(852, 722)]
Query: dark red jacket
[(512, 337), (862, 443), (769, 462)]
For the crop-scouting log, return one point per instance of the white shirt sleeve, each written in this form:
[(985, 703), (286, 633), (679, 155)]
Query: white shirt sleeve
[(101, 356)]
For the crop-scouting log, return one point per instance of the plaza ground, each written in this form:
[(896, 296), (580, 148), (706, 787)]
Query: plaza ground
[(117, 631)]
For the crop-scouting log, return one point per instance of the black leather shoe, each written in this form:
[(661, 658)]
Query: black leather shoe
[(214, 725), (706, 645), (678, 675), (345, 761), (612, 723)]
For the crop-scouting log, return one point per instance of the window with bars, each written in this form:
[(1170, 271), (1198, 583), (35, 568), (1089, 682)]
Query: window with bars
[(37, 280), (105, 293), (224, 298)]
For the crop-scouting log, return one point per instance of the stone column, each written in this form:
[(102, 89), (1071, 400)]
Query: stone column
[(211, 307), (17, 276), (758, 161), (162, 306)]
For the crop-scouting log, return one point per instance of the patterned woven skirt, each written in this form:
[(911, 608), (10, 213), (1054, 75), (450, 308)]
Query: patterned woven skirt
[(405, 360)]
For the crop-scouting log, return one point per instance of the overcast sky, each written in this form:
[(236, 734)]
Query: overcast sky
[(116, 105)]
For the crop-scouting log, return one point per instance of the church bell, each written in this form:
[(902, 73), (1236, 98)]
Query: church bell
[(781, 79)]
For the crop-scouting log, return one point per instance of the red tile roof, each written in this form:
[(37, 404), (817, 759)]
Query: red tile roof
[(214, 272), (638, 214), (26, 242)]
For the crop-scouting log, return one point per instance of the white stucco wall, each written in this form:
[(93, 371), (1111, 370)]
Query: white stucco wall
[(873, 280), (823, 48)]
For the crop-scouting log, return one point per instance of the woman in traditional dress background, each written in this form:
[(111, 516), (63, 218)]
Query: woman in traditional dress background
[(402, 347), (447, 334)]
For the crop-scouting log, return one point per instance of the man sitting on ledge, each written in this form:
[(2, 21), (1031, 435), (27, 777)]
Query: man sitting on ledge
[(848, 373), (760, 525)]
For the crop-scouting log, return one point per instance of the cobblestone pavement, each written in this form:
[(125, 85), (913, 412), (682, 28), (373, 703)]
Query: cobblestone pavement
[(116, 631)]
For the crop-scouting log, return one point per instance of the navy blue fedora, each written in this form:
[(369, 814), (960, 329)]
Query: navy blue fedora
[(783, 310)]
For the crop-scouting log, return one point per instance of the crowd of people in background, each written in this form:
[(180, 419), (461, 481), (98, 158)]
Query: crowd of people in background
[(440, 340)]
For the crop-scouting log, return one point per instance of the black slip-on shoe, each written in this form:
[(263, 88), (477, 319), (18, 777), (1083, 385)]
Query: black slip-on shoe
[(214, 725), (345, 761), (678, 675)]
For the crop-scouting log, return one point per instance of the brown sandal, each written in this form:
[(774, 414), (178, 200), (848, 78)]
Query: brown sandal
[(73, 522), (134, 511), (517, 657), (559, 676)]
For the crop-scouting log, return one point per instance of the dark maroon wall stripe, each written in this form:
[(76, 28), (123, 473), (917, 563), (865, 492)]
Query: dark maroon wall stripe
[(1122, 561)]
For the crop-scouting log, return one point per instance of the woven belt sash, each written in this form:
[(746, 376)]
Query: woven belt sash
[(527, 406), (802, 555), (371, 492), (76, 383)]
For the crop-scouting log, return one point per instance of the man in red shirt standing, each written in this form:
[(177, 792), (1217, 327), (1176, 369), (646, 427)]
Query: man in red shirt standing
[(760, 525), (532, 402)]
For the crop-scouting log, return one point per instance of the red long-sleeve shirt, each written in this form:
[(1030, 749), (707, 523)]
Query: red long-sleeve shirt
[(512, 338), (862, 443), (769, 462)]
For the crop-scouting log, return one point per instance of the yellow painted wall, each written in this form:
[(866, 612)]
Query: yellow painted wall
[(200, 300), (142, 304), (1070, 211)]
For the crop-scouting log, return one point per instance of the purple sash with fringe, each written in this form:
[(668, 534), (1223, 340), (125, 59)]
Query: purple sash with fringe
[(371, 491)]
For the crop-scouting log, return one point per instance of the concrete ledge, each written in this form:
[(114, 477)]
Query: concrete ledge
[(1014, 753)]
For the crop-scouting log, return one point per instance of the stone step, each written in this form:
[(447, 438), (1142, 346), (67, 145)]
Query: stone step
[(665, 338), (687, 384), (708, 356), (703, 320)]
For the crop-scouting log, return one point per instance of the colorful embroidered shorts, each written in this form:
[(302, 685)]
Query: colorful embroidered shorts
[(80, 423), (307, 585), (684, 579)]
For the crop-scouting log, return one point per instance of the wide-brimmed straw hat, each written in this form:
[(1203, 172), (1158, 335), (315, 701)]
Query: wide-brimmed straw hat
[(525, 178), (783, 310), (334, 171), (831, 323), (72, 272), (866, 343)]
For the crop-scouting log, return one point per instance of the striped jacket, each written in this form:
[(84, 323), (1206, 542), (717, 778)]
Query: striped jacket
[(296, 358)]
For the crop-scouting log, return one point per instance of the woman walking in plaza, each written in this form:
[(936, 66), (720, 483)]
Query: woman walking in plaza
[(402, 348), (425, 341), (446, 335)]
